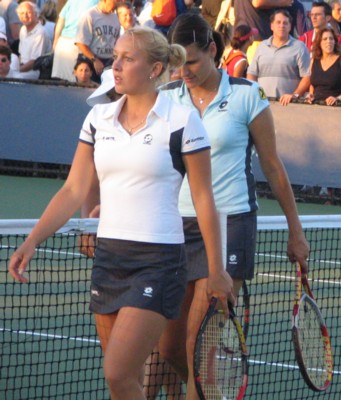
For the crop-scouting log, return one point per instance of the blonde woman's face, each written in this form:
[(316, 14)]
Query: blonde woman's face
[(131, 68)]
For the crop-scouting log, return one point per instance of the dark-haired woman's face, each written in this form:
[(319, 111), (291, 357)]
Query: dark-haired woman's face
[(83, 73), (199, 65), (327, 43)]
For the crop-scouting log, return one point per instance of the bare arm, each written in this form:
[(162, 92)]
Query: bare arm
[(252, 77), (62, 206), (85, 49), (58, 30), (301, 89), (198, 167), (92, 199), (263, 133), (27, 66), (239, 69), (271, 3)]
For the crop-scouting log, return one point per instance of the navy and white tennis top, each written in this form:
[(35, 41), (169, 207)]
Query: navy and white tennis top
[(227, 120), (140, 174)]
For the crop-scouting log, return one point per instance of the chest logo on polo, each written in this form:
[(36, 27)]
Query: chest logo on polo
[(148, 291), (148, 139), (223, 105)]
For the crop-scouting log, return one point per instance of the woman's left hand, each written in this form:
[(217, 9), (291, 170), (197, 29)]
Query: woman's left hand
[(298, 250), (220, 285), (331, 100)]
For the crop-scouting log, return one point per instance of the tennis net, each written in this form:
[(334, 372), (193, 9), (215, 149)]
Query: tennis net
[(48, 344)]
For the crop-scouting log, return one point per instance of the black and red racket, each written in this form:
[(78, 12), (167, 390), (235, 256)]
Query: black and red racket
[(310, 337)]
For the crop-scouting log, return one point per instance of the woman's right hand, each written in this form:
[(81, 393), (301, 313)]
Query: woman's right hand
[(309, 98), (20, 259)]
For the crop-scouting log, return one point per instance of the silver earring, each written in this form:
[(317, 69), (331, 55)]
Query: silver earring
[(151, 77)]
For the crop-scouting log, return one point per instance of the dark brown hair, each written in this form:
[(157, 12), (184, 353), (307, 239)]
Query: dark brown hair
[(316, 47), (283, 12), (192, 28), (5, 51), (240, 32)]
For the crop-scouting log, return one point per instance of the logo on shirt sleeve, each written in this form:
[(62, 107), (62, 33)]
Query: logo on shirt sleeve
[(262, 93)]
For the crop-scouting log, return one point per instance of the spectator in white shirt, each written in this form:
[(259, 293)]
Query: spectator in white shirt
[(34, 41)]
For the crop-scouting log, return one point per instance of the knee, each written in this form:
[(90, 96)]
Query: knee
[(119, 382), (112, 377), (173, 356)]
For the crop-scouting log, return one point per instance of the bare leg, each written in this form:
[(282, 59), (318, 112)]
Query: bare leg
[(172, 344), (171, 363), (127, 339), (158, 373)]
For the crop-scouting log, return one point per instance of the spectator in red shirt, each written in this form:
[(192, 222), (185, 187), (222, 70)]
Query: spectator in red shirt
[(235, 63), (321, 14)]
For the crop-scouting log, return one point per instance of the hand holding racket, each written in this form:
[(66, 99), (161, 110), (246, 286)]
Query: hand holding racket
[(220, 356), (310, 337)]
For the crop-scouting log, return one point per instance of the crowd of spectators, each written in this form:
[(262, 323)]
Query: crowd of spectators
[(261, 43)]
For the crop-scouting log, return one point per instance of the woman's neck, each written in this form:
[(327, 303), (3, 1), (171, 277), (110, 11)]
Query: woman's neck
[(140, 104), (328, 56), (209, 86)]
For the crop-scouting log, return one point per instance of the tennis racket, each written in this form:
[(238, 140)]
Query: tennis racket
[(220, 356), (310, 337), (246, 310)]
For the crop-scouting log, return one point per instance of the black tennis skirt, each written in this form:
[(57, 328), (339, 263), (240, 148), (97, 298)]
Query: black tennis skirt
[(149, 276), (240, 247)]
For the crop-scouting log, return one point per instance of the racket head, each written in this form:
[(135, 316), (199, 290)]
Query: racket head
[(220, 357), (310, 337)]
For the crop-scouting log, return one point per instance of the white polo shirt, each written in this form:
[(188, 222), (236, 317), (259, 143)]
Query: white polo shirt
[(141, 174), (33, 44)]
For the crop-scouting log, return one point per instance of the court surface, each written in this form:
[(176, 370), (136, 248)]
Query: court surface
[(54, 350)]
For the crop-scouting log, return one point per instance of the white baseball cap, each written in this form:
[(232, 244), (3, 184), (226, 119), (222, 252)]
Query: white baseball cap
[(99, 95), (3, 36)]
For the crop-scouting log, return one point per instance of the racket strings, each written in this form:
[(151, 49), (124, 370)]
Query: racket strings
[(311, 341), (221, 360)]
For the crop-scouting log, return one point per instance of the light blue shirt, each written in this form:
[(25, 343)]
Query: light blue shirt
[(280, 69), (72, 12), (227, 121)]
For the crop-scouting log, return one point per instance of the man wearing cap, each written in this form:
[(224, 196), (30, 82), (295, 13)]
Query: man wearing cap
[(5, 63), (15, 63), (281, 63)]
